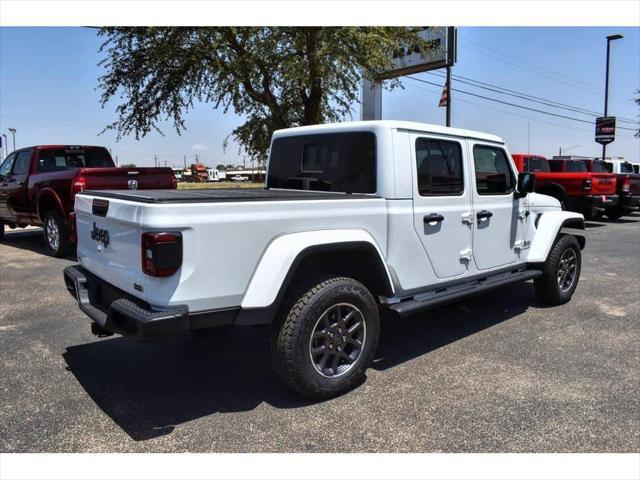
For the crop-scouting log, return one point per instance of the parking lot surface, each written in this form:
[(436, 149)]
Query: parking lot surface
[(498, 373)]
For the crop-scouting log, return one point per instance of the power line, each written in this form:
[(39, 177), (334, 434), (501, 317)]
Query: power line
[(529, 97), (514, 104), (573, 82)]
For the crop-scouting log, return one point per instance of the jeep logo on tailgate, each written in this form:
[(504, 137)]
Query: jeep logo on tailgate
[(100, 235)]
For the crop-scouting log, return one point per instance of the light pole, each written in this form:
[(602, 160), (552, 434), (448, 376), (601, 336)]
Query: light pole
[(610, 38), (13, 134)]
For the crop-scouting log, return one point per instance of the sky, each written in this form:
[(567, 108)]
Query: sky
[(48, 93)]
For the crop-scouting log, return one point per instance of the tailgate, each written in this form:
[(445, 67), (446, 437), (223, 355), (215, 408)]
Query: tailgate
[(128, 178), (109, 241), (603, 184)]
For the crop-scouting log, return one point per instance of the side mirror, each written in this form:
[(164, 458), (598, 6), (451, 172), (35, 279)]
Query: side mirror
[(526, 184)]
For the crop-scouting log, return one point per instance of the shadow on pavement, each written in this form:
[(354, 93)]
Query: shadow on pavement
[(402, 339), (148, 389), (30, 239)]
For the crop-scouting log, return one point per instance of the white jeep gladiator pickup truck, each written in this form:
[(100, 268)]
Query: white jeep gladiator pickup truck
[(355, 218)]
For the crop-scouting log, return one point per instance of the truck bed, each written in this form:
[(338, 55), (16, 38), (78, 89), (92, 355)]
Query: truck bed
[(220, 195)]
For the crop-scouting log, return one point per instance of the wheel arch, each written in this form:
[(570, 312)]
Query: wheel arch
[(46, 200), (293, 258), (549, 226)]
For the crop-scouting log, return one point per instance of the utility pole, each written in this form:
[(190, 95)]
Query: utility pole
[(185, 162), (196, 158), (449, 96), (155, 161), (13, 134), (610, 38)]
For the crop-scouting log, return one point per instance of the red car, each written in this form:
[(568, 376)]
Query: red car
[(571, 183), (38, 186)]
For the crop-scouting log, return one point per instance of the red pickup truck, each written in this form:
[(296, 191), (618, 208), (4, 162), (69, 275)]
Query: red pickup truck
[(571, 183), (38, 186), (627, 188)]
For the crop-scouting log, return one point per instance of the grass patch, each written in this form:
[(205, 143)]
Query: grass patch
[(216, 185)]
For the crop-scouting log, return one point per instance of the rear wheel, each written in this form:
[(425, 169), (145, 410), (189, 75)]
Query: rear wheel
[(56, 234), (327, 339), (1, 230), (561, 272)]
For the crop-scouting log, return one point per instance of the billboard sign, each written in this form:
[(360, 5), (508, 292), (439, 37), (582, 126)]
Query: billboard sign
[(605, 130), (410, 60)]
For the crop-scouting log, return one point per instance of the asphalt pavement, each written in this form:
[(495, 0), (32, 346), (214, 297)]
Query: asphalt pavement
[(498, 373)]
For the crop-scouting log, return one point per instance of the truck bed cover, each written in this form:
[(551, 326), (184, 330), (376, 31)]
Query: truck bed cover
[(221, 195)]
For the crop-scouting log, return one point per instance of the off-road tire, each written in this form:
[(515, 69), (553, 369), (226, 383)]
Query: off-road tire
[(547, 286), (64, 243), (290, 343), (614, 213)]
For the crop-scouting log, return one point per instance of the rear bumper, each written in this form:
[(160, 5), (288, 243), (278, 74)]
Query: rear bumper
[(630, 201), (597, 202), (115, 311)]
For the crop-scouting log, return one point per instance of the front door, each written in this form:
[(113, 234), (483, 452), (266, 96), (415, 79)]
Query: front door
[(17, 200), (496, 211), (442, 203), (5, 171)]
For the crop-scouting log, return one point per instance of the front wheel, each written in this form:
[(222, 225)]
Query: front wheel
[(56, 234), (327, 339), (561, 272)]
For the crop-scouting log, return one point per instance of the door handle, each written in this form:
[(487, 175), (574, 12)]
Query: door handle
[(433, 217), (484, 214)]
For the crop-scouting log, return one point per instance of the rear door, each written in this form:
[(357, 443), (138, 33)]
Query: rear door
[(442, 202), (498, 226)]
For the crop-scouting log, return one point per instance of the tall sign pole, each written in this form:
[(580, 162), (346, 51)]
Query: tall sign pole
[(410, 61), (605, 120)]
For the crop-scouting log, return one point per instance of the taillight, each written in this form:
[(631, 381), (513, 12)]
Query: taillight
[(79, 184), (174, 182), (626, 186), (587, 184), (161, 253)]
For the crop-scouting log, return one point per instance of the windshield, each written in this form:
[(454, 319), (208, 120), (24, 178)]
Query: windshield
[(53, 160), (329, 162)]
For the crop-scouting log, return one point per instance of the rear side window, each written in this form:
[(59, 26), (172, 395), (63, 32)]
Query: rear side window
[(626, 167), (335, 162), (535, 164), (53, 160), (439, 167), (493, 173), (22, 163)]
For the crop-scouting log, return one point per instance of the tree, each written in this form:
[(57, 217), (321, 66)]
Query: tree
[(275, 77), (128, 165), (220, 167)]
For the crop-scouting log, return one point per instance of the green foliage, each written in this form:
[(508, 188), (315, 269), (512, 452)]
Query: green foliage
[(128, 165), (220, 167), (275, 77)]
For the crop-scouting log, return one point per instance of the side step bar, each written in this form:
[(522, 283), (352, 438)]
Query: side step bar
[(438, 297)]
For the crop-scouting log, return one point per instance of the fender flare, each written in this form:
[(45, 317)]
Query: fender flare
[(283, 254), (48, 192), (549, 226)]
